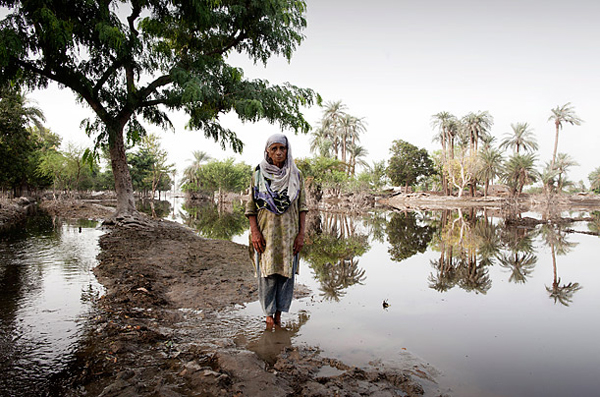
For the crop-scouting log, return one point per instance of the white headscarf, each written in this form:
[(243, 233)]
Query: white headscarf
[(286, 177)]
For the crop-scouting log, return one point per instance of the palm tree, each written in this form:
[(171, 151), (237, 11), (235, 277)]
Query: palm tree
[(349, 129), (17, 100), (190, 173), (519, 171), (562, 165), (491, 163), (521, 136), (320, 143), (477, 125), (357, 152), (594, 178), (331, 121), (447, 125), (560, 115)]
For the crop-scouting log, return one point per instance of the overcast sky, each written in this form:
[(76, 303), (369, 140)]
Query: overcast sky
[(396, 63)]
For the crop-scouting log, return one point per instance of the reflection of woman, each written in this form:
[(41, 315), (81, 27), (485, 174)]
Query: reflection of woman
[(276, 210)]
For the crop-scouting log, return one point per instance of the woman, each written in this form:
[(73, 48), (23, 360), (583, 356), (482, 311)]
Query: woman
[(276, 210)]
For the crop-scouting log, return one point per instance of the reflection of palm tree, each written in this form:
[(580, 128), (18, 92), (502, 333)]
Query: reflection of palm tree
[(447, 276), (520, 259), (474, 277), (520, 265), (559, 245), (336, 278), (594, 224), (563, 293)]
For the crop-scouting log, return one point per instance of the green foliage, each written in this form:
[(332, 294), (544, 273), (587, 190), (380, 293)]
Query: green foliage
[(374, 176), (221, 176), (407, 236), (594, 178), (519, 171), (181, 51), (133, 61), (212, 223), (408, 164), (325, 172)]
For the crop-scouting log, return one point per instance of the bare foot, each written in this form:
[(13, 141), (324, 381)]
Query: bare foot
[(270, 322), (277, 318)]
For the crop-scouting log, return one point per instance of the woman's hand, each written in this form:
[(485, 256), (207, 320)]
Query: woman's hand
[(298, 243), (257, 239)]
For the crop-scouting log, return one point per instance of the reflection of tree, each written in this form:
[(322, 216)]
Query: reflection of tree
[(336, 277), (331, 250), (157, 209), (557, 240), (406, 236), (211, 223), (376, 223), (520, 259), (594, 225), (467, 246), (520, 265)]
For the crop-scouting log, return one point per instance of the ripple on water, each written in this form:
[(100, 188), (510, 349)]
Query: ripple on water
[(45, 277)]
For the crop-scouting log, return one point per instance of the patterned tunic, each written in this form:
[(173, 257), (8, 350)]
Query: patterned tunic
[(279, 232)]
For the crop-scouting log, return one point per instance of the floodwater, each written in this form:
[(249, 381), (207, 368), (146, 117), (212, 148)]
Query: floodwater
[(46, 289), (474, 307)]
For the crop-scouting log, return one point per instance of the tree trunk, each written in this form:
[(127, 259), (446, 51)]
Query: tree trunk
[(123, 185), (555, 146)]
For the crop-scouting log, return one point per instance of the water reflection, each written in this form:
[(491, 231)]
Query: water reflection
[(215, 221), (270, 343), (154, 208), (556, 238), (407, 235), (45, 286), (333, 246)]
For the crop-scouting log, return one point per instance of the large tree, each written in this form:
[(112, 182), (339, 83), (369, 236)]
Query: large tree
[(132, 61), (408, 164)]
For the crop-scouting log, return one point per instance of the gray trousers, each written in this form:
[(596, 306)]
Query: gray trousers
[(275, 291)]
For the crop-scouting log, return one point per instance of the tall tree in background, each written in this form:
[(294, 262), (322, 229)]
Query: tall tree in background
[(476, 126), (447, 125), (190, 173), (560, 115), (131, 61)]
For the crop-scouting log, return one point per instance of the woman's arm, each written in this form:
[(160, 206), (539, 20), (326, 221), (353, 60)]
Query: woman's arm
[(258, 241), (299, 241)]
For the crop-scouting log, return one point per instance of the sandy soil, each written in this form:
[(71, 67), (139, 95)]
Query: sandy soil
[(166, 324)]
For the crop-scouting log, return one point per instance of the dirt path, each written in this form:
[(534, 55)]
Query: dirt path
[(166, 325)]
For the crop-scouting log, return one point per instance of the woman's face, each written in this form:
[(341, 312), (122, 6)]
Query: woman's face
[(278, 154)]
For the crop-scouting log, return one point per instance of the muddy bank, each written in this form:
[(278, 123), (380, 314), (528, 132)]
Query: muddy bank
[(12, 212), (165, 325), (551, 206)]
